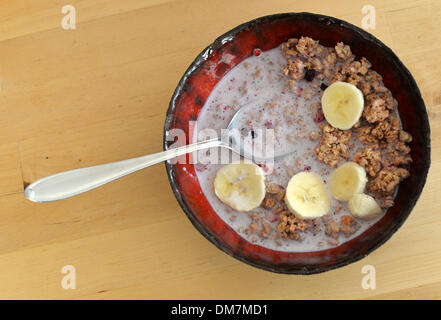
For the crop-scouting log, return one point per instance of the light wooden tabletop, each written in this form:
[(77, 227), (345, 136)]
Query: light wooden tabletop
[(99, 93)]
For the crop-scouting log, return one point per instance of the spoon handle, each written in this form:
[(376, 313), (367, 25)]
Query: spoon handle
[(70, 183)]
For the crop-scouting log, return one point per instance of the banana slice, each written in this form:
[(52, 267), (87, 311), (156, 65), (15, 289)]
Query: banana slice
[(347, 180), (240, 185), (363, 206), (306, 196), (342, 105)]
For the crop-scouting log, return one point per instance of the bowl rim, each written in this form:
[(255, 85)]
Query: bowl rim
[(228, 36)]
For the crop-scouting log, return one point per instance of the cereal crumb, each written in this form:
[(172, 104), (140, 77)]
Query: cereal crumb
[(332, 229), (254, 227), (314, 135), (348, 225), (269, 203)]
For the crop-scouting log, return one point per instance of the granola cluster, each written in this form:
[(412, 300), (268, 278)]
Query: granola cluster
[(291, 226), (375, 109), (369, 158), (385, 153), (306, 58), (333, 146), (347, 227), (387, 179)]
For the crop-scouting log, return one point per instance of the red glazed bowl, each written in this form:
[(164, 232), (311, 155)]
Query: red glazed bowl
[(266, 33)]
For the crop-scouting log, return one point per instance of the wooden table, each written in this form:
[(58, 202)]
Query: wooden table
[(73, 98)]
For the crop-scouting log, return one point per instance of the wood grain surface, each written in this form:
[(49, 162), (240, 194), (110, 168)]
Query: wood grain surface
[(73, 98)]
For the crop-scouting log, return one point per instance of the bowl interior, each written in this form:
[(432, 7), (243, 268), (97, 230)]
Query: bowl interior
[(266, 33)]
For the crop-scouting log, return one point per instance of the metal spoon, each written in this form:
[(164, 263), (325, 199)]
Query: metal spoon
[(71, 183)]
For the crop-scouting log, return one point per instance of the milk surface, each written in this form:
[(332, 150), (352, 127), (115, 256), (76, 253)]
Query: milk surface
[(259, 85)]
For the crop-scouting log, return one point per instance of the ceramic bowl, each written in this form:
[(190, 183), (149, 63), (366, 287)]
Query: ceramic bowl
[(266, 33)]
